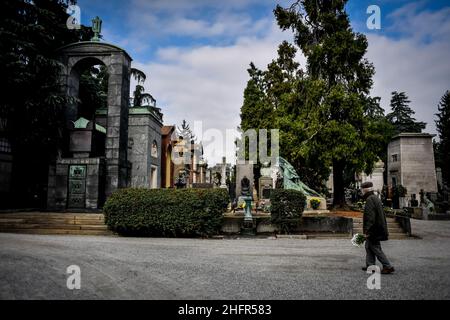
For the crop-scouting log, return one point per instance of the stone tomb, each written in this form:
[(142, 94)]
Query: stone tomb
[(79, 182), (106, 171), (411, 163)]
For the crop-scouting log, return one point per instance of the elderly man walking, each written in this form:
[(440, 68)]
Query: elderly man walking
[(375, 229)]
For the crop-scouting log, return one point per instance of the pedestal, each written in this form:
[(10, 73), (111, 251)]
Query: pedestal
[(77, 183), (248, 227)]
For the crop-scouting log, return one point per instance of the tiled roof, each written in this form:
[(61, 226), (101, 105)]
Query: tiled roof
[(165, 130)]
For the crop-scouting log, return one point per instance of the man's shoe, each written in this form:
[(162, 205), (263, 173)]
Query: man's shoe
[(386, 270)]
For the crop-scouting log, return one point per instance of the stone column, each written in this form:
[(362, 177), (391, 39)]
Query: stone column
[(223, 180), (117, 123)]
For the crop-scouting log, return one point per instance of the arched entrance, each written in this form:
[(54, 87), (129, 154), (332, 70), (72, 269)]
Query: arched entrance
[(75, 58)]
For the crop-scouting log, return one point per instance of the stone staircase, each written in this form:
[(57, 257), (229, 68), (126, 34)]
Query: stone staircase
[(54, 223), (395, 232), (327, 235)]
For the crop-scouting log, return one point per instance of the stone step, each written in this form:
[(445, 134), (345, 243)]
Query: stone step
[(59, 231), (360, 223), (51, 221), (360, 220), (53, 217), (390, 230), (54, 223), (52, 226), (399, 236), (327, 235)]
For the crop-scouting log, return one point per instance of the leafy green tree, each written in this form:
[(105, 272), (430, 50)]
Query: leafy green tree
[(93, 92), (401, 116), (31, 100), (337, 90), (443, 128), (275, 98)]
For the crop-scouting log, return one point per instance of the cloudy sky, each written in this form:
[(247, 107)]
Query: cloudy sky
[(196, 52)]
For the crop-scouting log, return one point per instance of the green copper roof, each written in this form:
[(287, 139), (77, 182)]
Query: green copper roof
[(83, 122), (139, 110), (99, 128)]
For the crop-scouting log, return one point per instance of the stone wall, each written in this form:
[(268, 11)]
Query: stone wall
[(5, 172), (143, 130), (232, 225)]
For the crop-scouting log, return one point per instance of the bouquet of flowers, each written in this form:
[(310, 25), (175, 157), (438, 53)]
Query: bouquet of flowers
[(358, 240), (315, 203)]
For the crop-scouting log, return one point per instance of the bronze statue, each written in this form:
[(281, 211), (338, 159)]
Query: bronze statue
[(245, 186), (96, 28)]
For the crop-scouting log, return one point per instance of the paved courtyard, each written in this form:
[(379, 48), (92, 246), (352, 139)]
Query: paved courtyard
[(34, 267)]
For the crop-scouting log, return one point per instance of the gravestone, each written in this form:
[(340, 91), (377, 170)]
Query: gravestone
[(265, 182), (223, 174)]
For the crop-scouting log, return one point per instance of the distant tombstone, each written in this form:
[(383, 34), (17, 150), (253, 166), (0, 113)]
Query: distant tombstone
[(414, 201), (223, 176), (266, 193), (265, 181)]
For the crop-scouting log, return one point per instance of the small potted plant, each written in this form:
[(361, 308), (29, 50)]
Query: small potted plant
[(315, 203), (400, 191)]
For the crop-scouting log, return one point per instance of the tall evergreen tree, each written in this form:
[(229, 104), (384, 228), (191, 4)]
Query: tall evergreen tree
[(339, 82), (401, 116), (185, 132), (443, 128)]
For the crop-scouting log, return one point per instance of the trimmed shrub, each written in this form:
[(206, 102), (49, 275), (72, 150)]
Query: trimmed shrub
[(166, 212), (286, 209), (400, 191)]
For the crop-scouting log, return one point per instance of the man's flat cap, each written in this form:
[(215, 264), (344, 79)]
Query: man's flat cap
[(366, 185)]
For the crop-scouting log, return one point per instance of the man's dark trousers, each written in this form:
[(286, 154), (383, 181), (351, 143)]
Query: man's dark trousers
[(373, 250)]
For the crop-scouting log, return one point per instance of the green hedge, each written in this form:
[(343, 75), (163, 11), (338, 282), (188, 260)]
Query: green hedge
[(166, 212), (286, 208)]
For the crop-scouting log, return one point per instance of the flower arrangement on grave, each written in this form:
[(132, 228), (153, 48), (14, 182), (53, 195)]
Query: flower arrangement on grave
[(315, 203), (358, 239)]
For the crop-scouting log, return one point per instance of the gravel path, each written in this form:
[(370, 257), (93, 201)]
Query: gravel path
[(34, 267)]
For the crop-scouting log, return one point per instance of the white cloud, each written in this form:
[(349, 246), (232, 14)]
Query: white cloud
[(206, 83), (224, 24), (415, 22), (193, 5), (417, 63)]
